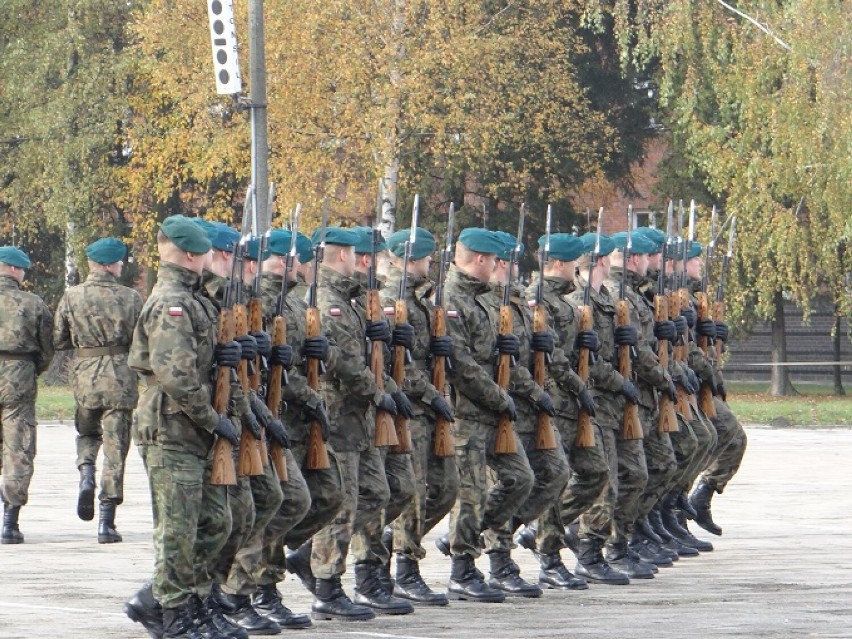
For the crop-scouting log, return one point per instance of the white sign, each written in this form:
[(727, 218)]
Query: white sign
[(223, 38)]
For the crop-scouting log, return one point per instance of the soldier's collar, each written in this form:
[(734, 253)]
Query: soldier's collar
[(180, 274), (101, 276), (6, 280)]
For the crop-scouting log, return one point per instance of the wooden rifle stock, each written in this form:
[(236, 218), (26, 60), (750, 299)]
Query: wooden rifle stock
[(385, 431), (273, 397), (505, 427), (668, 420), (631, 427), (223, 473), (545, 439), (317, 457), (719, 316), (250, 462), (680, 356), (705, 394), (403, 434), (444, 442), (585, 433), (255, 322)]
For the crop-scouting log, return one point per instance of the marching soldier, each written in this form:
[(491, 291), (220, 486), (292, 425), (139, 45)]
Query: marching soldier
[(26, 326), (97, 319)]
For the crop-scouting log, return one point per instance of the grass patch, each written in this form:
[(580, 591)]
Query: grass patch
[(816, 405), (54, 403)]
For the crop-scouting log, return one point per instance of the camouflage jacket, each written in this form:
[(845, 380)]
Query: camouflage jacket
[(418, 372), (99, 312), (301, 288), (477, 395), (703, 365), (172, 350), (26, 328)]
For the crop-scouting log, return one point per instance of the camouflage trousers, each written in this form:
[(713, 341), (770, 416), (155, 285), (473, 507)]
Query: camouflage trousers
[(730, 448), (18, 440), (589, 477), (550, 468), (320, 504), (659, 459), (685, 447), (216, 558), (365, 494), (185, 507), (367, 545), (707, 439), (109, 427), (436, 484), (482, 504)]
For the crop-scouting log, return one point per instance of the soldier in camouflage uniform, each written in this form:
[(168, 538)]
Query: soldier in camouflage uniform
[(305, 270), (479, 401), (97, 319), (25, 352), (436, 478)]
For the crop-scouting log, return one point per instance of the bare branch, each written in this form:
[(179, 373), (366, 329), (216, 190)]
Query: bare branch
[(760, 26)]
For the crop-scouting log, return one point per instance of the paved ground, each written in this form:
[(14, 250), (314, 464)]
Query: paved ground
[(782, 569)]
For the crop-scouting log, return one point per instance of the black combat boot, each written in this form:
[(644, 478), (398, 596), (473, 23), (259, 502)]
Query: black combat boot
[(86, 496), (238, 610), (11, 532), (656, 522), (689, 539), (107, 534), (644, 527), (142, 608), (200, 615), (685, 507), (467, 584), (218, 619), (332, 603), (619, 558), (370, 591), (267, 602), (525, 538), (648, 551), (554, 574), (410, 585), (178, 624), (674, 525), (506, 576), (572, 538), (442, 543), (592, 566), (299, 564), (700, 501)]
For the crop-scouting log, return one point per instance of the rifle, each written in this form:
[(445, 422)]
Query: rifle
[(632, 428), (668, 420), (317, 458), (255, 323), (585, 434), (505, 426), (675, 301), (545, 439), (444, 444), (400, 354), (719, 305), (705, 397)]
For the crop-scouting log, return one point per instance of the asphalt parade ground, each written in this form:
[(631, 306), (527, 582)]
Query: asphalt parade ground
[(783, 567)]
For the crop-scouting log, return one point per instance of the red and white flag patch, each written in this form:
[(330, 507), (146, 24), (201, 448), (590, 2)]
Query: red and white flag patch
[(334, 312), (530, 303), (390, 310), (453, 314), (176, 311)]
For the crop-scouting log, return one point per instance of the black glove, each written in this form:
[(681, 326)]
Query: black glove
[(226, 429), (693, 381), (587, 339), (249, 346), (258, 408), (681, 325), (587, 402), (403, 335), (508, 345), (707, 328), (264, 343), (387, 404), (250, 422), (722, 392), (442, 408), (545, 403), (403, 405), (278, 433), (315, 347), (722, 331), (510, 409), (321, 417), (379, 331), (626, 335), (227, 354), (665, 330), (542, 342), (281, 354), (671, 391), (628, 389), (441, 346), (689, 314)]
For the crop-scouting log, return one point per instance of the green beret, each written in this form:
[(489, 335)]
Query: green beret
[(639, 244), (304, 248), (221, 236), (563, 246), (365, 240), (14, 256), (590, 239), (655, 235), (424, 243), (253, 248), (107, 250), (695, 249), (509, 243), (279, 242), (677, 247), (481, 241), (185, 234), (337, 235)]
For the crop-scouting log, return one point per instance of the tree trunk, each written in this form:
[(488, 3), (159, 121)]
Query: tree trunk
[(780, 383), (72, 276), (835, 340)]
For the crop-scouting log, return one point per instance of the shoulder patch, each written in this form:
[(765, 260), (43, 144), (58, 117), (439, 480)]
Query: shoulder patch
[(176, 311), (390, 310), (454, 314), (334, 312)]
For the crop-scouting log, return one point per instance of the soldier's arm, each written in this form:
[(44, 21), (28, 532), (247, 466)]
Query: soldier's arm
[(698, 362), (346, 359), (296, 390), (45, 340), (647, 367), (62, 327), (562, 371), (606, 376)]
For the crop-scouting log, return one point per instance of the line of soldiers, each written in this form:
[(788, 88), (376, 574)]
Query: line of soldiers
[(620, 503)]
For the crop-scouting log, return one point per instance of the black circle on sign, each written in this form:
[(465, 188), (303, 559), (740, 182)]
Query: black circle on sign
[(216, 7), (224, 76), (218, 27), (221, 56)]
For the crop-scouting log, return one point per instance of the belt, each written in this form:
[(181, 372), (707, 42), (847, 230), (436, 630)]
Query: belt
[(101, 351), (17, 357)]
